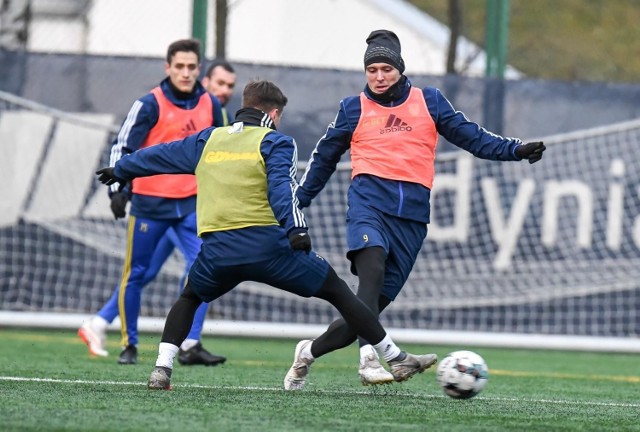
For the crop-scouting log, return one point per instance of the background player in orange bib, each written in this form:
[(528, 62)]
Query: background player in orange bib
[(220, 81), (178, 107)]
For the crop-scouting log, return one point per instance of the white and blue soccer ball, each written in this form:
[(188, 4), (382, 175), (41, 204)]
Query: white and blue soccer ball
[(462, 374)]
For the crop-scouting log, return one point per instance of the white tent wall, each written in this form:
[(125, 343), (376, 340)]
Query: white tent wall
[(307, 33)]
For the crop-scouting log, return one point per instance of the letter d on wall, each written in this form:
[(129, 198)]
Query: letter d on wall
[(460, 184)]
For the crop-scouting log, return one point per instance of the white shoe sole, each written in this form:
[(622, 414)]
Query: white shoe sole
[(369, 381)]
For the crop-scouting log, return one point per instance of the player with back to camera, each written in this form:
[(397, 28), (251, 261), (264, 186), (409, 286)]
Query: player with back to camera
[(392, 130), (259, 234), (219, 80), (176, 108)]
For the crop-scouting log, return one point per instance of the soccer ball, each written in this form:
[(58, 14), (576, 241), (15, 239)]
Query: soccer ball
[(462, 374)]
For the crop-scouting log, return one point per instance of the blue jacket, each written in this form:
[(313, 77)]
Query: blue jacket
[(142, 117), (241, 245), (402, 199)]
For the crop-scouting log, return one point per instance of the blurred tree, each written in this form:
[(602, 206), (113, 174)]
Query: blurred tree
[(221, 28), (455, 25), (584, 40)]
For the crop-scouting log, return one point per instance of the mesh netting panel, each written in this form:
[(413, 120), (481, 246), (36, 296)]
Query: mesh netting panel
[(512, 247)]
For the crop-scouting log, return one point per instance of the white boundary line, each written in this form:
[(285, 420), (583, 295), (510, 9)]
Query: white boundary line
[(328, 392), (306, 331)]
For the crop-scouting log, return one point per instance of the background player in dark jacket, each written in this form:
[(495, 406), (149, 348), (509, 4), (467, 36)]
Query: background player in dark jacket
[(251, 226), (392, 130), (178, 107), (220, 81)]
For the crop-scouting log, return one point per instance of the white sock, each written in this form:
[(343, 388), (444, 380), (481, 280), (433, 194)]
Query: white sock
[(365, 350), (99, 324), (306, 352), (387, 349), (188, 344), (166, 354)]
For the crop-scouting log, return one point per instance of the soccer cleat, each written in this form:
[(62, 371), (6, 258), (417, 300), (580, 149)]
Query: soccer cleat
[(160, 379), (410, 365), (95, 339), (129, 355), (371, 371), (297, 375), (197, 355)]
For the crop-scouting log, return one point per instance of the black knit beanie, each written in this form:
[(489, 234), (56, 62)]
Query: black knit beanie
[(384, 47)]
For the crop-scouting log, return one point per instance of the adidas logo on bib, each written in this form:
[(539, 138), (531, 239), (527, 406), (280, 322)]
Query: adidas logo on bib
[(395, 124)]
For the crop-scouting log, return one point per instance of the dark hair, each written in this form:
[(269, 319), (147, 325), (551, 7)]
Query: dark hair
[(263, 95), (222, 63), (183, 45)]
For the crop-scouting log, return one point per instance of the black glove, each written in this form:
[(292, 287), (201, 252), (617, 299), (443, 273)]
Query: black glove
[(299, 239), (107, 177), (531, 151), (119, 204)]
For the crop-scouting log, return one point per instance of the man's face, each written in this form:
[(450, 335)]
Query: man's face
[(381, 76), (183, 70), (220, 83)]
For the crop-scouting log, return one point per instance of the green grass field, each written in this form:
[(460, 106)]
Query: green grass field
[(49, 382)]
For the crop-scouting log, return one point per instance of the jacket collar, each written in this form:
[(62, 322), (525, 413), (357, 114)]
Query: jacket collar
[(254, 117), (395, 95)]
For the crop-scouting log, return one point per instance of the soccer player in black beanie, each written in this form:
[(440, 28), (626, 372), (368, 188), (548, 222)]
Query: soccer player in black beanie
[(391, 129)]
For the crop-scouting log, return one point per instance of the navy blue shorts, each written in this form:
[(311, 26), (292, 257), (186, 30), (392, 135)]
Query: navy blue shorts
[(400, 238), (292, 271)]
